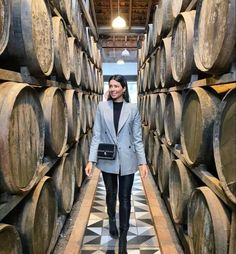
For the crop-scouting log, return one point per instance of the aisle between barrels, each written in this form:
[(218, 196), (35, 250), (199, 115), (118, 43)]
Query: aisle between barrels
[(141, 236), (151, 230)]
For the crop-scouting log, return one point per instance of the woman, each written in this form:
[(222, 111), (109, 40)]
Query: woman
[(118, 122)]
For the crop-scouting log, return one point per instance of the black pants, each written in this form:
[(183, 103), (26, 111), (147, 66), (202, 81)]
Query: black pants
[(125, 187)]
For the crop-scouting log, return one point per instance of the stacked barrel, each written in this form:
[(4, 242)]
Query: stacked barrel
[(189, 122), (45, 127)]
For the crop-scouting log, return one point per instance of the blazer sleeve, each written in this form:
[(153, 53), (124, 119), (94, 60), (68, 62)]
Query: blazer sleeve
[(96, 136), (137, 138)]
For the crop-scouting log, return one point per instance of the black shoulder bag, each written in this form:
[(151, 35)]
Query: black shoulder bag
[(107, 151)]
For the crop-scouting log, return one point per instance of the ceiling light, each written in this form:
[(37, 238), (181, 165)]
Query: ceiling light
[(118, 22), (120, 61), (125, 52)]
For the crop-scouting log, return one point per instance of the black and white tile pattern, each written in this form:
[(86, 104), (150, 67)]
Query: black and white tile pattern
[(141, 236)]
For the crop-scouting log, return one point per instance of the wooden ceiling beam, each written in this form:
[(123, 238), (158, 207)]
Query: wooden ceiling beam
[(130, 13), (112, 15), (118, 44)]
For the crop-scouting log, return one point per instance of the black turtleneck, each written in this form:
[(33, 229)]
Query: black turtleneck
[(116, 113)]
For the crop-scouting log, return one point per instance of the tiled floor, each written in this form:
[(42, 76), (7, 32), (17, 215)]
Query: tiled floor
[(141, 236)]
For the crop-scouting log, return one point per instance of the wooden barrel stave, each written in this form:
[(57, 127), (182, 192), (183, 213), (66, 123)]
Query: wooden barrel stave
[(152, 109), (165, 63), (10, 241), (225, 144), (72, 104), (35, 217), (56, 120), (164, 164), (208, 223), (31, 41), (164, 18), (75, 61), (199, 112), (64, 179), (5, 18), (160, 113), (214, 49), (61, 49), (182, 60), (22, 129), (181, 185), (179, 6), (65, 9), (172, 117)]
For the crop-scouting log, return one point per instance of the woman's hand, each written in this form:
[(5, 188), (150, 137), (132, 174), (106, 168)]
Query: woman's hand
[(89, 168), (143, 170)]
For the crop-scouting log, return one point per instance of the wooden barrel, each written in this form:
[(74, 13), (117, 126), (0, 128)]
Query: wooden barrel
[(40, 204), (198, 115), (214, 49), (179, 6), (150, 146), (83, 153), (145, 134), (152, 73), (156, 37), (224, 144), (76, 20), (88, 109), (65, 9), (78, 167), (145, 76), (161, 97), (31, 38), (149, 45), (156, 148), (56, 120), (21, 136), (10, 241), (147, 102), (64, 179), (158, 68), (182, 60), (152, 111), (208, 223), (73, 107), (82, 113), (164, 164), (181, 185), (164, 18), (172, 117), (165, 63), (75, 61), (84, 70), (5, 18), (61, 49)]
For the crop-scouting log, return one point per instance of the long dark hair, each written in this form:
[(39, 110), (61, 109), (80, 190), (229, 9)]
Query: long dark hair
[(122, 80)]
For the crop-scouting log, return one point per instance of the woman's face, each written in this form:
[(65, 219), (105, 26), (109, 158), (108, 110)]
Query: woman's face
[(116, 90)]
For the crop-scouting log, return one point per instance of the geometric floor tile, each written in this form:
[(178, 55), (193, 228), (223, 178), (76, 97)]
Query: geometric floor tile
[(141, 237)]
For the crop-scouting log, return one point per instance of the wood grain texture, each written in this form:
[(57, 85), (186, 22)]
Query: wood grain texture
[(56, 120), (10, 241), (225, 144), (199, 112), (215, 34), (182, 60), (21, 136), (208, 222), (31, 40)]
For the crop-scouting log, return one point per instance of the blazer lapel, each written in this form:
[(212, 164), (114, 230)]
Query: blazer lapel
[(109, 119), (124, 114)]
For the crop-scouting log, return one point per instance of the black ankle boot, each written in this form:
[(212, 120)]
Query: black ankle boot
[(123, 243), (112, 228)]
